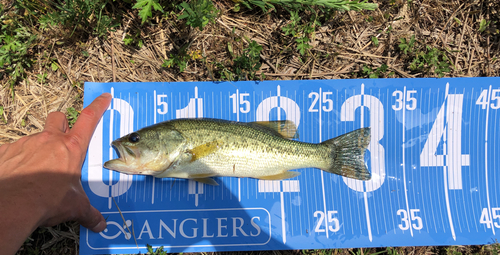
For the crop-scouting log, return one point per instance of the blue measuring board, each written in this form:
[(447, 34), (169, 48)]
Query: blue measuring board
[(434, 156)]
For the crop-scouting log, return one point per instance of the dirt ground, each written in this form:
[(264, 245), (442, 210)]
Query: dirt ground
[(341, 46), (344, 45)]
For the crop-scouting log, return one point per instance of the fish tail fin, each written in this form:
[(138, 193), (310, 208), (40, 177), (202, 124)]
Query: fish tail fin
[(347, 154)]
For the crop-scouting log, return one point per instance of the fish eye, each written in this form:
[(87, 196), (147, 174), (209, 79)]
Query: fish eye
[(134, 138)]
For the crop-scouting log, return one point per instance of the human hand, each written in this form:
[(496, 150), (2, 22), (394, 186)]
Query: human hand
[(40, 177)]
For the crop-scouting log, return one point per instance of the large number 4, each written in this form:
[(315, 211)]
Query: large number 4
[(450, 132)]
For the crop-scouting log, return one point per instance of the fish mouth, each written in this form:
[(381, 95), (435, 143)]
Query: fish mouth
[(124, 152), (126, 157), (120, 151)]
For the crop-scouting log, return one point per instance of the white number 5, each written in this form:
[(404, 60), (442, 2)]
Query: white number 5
[(160, 100)]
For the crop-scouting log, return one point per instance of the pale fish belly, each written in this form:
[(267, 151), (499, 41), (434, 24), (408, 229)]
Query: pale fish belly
[(245, 163)]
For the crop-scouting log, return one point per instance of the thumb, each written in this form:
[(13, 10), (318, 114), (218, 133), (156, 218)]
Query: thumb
[(93, 220)]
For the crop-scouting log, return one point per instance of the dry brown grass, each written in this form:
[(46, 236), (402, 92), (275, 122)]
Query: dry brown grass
[(342, 45)]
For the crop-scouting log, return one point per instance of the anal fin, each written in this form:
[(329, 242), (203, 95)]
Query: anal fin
[(204, 178), (282, 176)]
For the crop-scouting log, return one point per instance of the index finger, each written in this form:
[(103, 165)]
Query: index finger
[(88, 120)]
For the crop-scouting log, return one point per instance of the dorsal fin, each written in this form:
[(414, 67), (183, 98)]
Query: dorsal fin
[(282, 128)]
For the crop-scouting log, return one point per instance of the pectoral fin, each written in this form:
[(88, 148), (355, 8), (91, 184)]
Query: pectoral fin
[(204, 150), (194, 176), (285, 175)]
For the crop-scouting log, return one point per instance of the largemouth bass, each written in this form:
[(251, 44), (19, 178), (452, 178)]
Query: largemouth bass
[(202, 148)]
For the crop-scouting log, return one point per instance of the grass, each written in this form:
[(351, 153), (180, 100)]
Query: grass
[(72, 116), (424, 58), (451, 250), (48, 48), (15, 42)]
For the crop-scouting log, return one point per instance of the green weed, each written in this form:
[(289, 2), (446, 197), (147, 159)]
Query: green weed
[(266, 5), (54, 66), (158, 251), (301, 31), (389, 30), (41, 77), (145, 8), (15, 42), (430, 60), (243, 67), (391, 251), (1, 115), (407, 46), (494, 248), (133, 40), (426, 60), (489, 27), (367, 252), (483, 24), (198, 13), (246, 65), (179, 60), (224, 73), (291, 28), (88, 16), (71, 115), (452, 250), (377, 72), (320, 252)]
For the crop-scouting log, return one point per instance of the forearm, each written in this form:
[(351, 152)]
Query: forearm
[(20, 208), (40, 178), (17, 222)]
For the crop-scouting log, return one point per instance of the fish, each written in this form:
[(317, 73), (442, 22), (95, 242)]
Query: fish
[(199, 149)]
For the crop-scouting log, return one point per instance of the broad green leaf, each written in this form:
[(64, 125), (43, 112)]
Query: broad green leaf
[(145, 7), (54, 66)]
